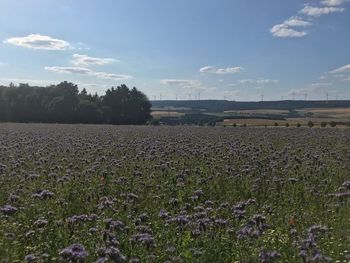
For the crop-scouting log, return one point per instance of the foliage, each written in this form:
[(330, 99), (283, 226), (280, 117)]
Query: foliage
[(310, 124), (63, 103)]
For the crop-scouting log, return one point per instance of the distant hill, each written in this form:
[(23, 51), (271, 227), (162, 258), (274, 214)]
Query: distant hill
[(225, 105)]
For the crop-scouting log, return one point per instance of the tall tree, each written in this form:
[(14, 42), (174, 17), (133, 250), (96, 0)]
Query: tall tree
[(63, 103)]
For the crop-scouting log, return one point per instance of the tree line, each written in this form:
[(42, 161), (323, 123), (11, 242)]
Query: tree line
[(63, 103)]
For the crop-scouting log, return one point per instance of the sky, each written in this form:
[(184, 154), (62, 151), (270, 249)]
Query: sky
[(244, 50)]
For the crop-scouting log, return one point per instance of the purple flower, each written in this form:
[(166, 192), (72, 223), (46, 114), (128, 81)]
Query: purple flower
[(30, 258), (43, 194), (268, 256), (173, 201), (8, 209), (111, 253), (132, 197), (163, 214), (221, 222), (145, 239), (75, 253), (346, 185), (114, 224), (40, 223)]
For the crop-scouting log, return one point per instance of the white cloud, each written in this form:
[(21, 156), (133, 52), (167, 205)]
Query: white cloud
[(313, 89), (76, 70), (286, 28), (81, 46), (283, 30), (192, 85), (343, 69), (105, 75), (247, 81), (333, 2), (319, 85), (36, 41), (176, 81), (258, 81), (267, 81), (342, 73), (213, 70), (295, 21), (319, 11), (86, 71), (84, 60)]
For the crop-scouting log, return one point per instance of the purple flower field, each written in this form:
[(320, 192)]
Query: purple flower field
[(90, 193)]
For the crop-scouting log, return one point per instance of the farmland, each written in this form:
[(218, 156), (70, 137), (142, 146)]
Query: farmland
[(259, 117), (99, 193), (253, 114)]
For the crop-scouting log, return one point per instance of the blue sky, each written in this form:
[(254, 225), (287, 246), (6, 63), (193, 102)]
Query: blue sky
[(237, 49)]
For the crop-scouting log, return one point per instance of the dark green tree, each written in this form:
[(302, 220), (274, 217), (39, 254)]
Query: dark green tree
[(63, 103), (125, 106)]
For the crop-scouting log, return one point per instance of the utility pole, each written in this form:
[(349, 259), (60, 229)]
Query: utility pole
[(305, 96), (262, 96), (293, 94)]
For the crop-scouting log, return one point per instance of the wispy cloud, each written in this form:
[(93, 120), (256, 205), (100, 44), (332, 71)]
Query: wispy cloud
[(37, 41), (213, 70), (84, 60), (258, 81), (316, 11), (188, 85), (86, 71), (343, 69), (341, 73), (281, 30), (312, 89), (286, 29), (317, 85), (334, 2), (176, 82), (75, 70), (296, 21), (105, 75)]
